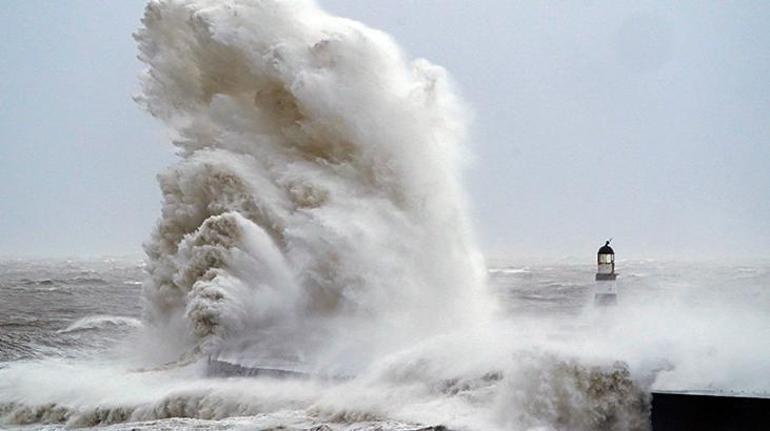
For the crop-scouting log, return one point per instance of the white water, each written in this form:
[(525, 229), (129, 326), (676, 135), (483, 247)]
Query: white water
[(316, 217)]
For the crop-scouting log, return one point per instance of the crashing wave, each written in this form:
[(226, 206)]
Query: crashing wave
[(532, 391), (315, 215), (318, 180)]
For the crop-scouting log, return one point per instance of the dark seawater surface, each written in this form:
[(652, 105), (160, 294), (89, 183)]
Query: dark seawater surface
[(66, 308)]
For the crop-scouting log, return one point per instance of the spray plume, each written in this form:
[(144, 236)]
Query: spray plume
[(318, 183)]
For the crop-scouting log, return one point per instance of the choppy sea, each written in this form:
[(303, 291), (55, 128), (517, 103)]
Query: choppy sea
[(675, 326)]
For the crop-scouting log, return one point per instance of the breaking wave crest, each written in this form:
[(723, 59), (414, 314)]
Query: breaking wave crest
[(546, 391), (100, 322)]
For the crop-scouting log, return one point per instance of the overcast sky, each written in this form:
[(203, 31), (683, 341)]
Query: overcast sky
[(648, 122)]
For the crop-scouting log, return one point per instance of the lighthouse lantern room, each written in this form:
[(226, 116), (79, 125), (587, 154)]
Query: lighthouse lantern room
[(605, 261)]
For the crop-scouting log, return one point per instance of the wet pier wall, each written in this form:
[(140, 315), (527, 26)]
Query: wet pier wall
[(684, 411)]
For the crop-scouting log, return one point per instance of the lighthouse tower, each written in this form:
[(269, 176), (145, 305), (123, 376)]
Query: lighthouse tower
[(605, 291)]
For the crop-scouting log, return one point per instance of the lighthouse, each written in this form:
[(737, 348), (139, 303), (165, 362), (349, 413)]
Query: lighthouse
[(605, 290)]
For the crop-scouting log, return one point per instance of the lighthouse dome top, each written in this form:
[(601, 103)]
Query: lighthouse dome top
[(606, 249)]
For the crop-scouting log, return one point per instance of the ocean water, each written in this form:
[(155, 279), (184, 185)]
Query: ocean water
[(553, 359), (315, 222)]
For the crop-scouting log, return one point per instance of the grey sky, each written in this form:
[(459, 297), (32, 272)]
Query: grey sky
[(645, 121)]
